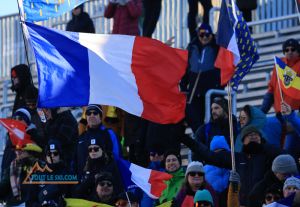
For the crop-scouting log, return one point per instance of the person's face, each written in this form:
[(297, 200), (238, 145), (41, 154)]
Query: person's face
[(289, 190), (217, 111), (291, 53), (244, 118), (172, 163), (204, 38), (20, 154), (124, 203), (31, 104), (95, 151), (47, 113), (93, 118), (270, 198), (195, 179), (282, 176), (76, 11), (52, 157), (156, 156), (252, 137), (104, 189)]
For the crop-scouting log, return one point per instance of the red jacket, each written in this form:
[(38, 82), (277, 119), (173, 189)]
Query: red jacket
[(125, 17), (273, 87)]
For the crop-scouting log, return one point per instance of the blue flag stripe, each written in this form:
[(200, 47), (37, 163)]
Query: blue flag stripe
[(62, 65)]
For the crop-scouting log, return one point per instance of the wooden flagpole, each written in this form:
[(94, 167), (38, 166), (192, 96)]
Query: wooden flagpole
[(231, 126)]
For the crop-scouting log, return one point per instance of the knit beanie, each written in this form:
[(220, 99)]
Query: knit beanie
[(103, 176), (203, 195), (291, 43), (94, 107), (24, 114), (249, 129), (194, 166), (221, 102), (292, 181), (284, 164)]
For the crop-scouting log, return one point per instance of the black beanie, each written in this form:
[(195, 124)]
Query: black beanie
[(95, 107), (221, 102), (291, 43), (249, 129)]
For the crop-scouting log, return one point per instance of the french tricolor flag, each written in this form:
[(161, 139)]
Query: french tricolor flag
[(139, 75), (150, 181)]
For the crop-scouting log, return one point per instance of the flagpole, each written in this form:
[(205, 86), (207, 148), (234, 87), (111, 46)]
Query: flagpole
[(231, 126), (25, 45), (296, 2), (278, 81), (194, 88)]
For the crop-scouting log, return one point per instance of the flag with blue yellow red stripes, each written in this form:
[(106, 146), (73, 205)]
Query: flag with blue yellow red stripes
[(289, 79), (234, 37), (40, 10)]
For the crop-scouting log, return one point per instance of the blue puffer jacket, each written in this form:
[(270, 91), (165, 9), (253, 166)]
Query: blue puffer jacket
[(215, 176), (258, 119)]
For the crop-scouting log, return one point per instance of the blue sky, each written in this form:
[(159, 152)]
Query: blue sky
[(8, 7)]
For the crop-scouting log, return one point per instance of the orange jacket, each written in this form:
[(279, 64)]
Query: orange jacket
[(273, 87)]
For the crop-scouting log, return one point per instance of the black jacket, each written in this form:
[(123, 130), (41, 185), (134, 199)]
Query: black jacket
[(81, 23)]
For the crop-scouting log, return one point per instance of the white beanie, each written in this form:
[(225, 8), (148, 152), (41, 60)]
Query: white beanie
[(292, 181)]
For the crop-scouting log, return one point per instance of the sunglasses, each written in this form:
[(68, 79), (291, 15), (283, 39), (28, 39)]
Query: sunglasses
[(193, 174), (105, 183), (272, 197), (156, 153), (95, 149), (202, 203), (204, 35), (290, 49), (52, 153), (88, 113)]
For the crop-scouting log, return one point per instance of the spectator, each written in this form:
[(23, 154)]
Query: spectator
[(203, 198), (193, 13), (105, 189), (251, 115), (272, 194), (152, 10), (194, 181), (246, 7), (201, 74), (283, 166), (125, 14), (251, 164), (172, 163), (291, 50), (81, 21), (122, 200), (21, 79), (291, 185), (95, 129), (13, 192), (215, 176), (53, 194), (99, 160), (218, 125), (62, 125)]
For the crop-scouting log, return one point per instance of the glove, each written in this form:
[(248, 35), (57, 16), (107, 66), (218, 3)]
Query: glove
[(234, 177)]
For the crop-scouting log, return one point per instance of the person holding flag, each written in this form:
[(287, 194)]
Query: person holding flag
[(291, 51)]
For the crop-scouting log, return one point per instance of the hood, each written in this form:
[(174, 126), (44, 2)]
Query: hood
[(219, 142)]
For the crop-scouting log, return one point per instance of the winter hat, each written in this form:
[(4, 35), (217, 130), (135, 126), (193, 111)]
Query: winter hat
[(249, 129), (205, 28), (103, 176), (95, 141), (284, 164), (203, 195), (194, 166), (291, 43), (95, 107), (221, 102), (219, 142), (54, 144), (24, 114), (292, 181), (30, 147)]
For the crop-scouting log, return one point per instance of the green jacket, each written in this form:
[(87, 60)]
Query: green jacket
[(173, 186)]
